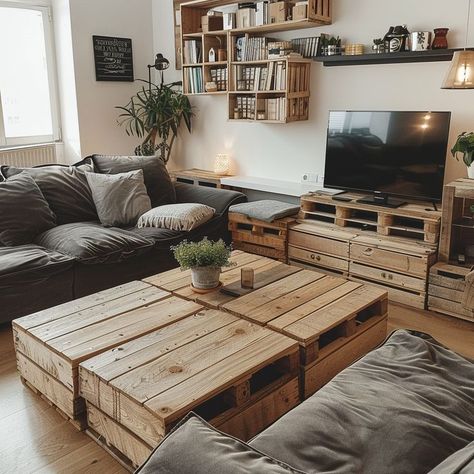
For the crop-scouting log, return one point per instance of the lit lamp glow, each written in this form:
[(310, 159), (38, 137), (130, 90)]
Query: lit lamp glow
[(222, 164), (460, 74)]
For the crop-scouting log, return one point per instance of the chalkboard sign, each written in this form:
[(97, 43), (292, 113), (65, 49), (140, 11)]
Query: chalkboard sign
[(113, 59)]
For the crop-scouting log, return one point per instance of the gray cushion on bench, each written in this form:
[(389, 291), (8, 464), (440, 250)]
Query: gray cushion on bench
[(266, 210)]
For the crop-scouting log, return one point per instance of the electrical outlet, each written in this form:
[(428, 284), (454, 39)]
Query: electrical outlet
[(309, 178)]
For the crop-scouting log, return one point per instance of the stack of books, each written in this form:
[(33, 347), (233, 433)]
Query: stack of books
[(252, 49), (219, 76), (192, 52), (272, 109), (245, 108), (193, 80), (261, 78), (307, 47)]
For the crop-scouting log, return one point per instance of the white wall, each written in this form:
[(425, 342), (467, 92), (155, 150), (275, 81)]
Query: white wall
[(97, 117), (287, 151)]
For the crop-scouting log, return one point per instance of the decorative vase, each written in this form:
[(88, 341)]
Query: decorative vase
[(440, 40), (420, 40), (470, 171), (205, 278)]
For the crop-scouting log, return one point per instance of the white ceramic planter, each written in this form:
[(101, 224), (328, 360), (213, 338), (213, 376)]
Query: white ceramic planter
[(470, 171), (205, 278)]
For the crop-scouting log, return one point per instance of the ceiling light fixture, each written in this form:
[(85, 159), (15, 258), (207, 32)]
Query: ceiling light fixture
[(461, 71)]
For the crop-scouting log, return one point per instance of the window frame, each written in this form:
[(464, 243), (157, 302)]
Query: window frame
[(48, 32)]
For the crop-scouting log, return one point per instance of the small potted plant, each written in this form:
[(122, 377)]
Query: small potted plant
[(205, 259), (465, 145)]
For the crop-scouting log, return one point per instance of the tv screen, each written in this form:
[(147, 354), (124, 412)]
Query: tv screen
[(395, 153)]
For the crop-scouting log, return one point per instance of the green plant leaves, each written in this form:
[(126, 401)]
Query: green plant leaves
[(205, 253), (465, 146)]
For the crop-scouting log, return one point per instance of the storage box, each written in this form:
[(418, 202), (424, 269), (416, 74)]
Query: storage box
[(212, 23), (229, 21), (300, 12), (279, 11)]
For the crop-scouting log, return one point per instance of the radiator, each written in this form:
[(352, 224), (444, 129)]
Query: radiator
[(29, 156)]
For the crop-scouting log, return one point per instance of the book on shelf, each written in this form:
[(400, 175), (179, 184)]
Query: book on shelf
[(261, 78), (219, 76), (307, 47), (272, 109), (192, 52), (193, 83), (244, 107), (253, 48)]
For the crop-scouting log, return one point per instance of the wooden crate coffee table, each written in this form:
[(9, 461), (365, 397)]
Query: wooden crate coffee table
[(50, 344), (236, 374), (335, 321)]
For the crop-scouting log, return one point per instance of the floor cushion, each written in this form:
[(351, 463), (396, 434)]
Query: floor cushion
[(91, 243), (24, 212), (266, 210), (401, 409), (65, 188), (157, 179), (195, 447)]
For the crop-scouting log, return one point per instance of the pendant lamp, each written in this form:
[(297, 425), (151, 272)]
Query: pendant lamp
[(461, 71)]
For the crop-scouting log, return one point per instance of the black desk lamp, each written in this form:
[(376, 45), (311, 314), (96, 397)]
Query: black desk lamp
[(161, 64)]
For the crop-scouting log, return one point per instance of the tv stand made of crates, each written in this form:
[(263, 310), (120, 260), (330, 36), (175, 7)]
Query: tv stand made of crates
[(389, 247)]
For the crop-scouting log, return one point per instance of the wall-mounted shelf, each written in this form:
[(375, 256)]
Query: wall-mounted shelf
[(431, 55)]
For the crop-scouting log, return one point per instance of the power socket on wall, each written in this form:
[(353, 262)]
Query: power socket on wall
[(312, 178)]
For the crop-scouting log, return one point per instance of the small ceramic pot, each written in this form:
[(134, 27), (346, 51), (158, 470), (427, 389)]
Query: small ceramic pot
[(440, 40), (205, 278), (470, 171)]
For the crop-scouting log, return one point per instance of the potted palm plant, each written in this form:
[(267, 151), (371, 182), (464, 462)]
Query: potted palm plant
[(465, 146), (205, 259), (155, 114)]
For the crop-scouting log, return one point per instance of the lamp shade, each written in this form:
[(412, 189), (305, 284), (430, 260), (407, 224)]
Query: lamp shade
[(461, 71), (222, 164)]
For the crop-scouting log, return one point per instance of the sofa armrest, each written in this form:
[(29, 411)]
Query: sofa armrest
[(219, 199)]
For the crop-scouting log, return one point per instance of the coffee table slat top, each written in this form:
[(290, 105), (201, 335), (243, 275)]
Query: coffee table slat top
[(266, 270), (174, 370)]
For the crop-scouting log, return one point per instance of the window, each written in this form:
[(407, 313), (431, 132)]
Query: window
[(28, 106)]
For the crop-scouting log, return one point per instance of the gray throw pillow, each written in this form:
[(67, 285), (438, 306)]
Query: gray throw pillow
[(120, 199), (65, 189), (195, 447), (24, 211), (157, 179)]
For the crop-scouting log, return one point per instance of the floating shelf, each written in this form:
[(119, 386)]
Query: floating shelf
[(431, 55)]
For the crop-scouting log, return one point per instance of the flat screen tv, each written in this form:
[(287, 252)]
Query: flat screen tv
[(400, 154)]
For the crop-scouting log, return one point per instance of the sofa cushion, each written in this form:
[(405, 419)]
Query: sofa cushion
[(195, 447), (65, 188), (186, 216), (403, 408), (91, 243), (120, 199), (24, 211), (266, 210), (31, 279), (157, 179), (461, 462)]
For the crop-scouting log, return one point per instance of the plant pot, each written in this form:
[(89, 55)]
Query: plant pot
[(470, 171), (205, 278)]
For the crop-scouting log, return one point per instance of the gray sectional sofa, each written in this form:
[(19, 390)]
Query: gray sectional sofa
[(78, 256), (404, 408)]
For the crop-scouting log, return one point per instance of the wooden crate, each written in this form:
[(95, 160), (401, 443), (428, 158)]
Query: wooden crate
[(400, 265), (325, 247), (198, 177), (266, 271), (269, 239), (334, 321), (412, 221), (238, 375), (446, 288), (50, 344)]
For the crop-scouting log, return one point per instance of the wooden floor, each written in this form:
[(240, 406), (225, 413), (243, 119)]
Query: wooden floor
[(35, 438)]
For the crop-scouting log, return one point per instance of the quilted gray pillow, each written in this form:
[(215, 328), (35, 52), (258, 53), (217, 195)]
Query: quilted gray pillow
[(183, 217), (120, 199)]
